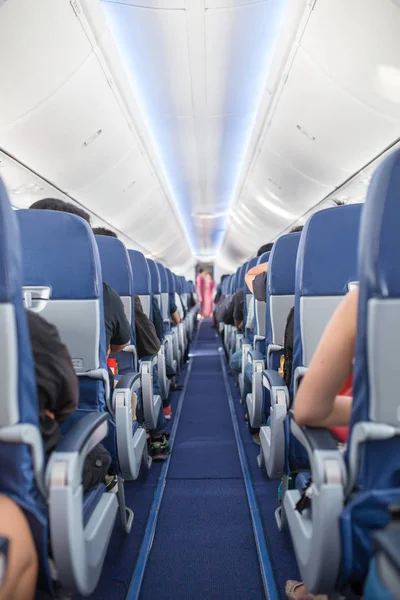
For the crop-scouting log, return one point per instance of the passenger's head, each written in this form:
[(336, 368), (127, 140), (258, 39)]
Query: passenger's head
[(104, 231), (61, 206), (296, 229), (202, 271), (264, 249)]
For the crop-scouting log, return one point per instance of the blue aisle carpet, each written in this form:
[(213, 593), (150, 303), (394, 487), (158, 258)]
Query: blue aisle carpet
[(124, 549), (204, 545), (279, 543)]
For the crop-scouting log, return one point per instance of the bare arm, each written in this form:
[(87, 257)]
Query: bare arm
[(175, 318), (250, 275), (316, 403)]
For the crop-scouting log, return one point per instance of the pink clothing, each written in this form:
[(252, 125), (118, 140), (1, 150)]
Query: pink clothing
[(200, 285), (207, 304)]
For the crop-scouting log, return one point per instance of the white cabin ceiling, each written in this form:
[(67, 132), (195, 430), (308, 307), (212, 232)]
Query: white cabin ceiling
[(196, 128)]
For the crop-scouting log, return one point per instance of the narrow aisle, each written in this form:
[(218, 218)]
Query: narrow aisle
[(204, 544)]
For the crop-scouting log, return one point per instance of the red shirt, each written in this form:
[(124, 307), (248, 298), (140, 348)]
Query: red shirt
[(342, 433)]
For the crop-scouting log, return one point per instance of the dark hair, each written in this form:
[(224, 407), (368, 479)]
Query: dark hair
[(296, 229), (61, 206), (264, 249), (104, 231)]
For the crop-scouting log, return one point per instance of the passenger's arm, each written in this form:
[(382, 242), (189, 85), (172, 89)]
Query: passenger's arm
[(250, 275), (21, 568), (175, 317), (68, 396), (147, 341), (316, 403), (121, 328)]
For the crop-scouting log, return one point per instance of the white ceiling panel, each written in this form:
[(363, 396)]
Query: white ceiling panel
[(82, 107), (33, 60), (302, 132), (336, 108), (366, 61), (64, 116)]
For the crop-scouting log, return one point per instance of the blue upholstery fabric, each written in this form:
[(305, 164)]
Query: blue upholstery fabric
[(282, 265), (115, 264), (326, 260), (163, 278), (281, 273), (16, 473), (378, 482), (49, 240), (57, 231), (252, 263), (171, 281), (264, 258), (141, 273), (154, 277), (242, 273)]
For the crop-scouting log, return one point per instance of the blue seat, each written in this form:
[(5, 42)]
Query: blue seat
[(148, 367), (155, 288), (326, 265), (280, 299), (62, 278), (44, 498), (253, 361), (169, 336), (174, 329), (368, 480), (117, 272)]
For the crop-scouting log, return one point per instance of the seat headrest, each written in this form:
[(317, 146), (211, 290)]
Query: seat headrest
[(171, 281), (252, 263), (115, 264), (10, 251), (242, 273), (60, 250), (141, 273), (327, 253), (154, 277), (264, 258), (163, 278), (282, 265), (379, 232)]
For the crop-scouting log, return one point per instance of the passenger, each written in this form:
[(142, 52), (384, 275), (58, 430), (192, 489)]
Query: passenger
[(19, 568), (58, 393), (259, 273), (209, 286), (319, 401), (200, 286)]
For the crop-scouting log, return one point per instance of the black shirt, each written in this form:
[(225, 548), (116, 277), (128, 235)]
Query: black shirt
[(118, 330), (260, 287), (238, 308), (147, 341), (56, 382), (157, 319)]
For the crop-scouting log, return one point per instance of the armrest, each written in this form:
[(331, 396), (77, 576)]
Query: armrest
[(129, 381), (272, 379), (326, 460), (65, 466), (258, 338), (253, 355), (312, 438), (78, 436), (271, 349), (152, 361)]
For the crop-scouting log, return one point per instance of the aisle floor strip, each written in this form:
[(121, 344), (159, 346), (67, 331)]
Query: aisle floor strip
[(263, 556), (138, 574)]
